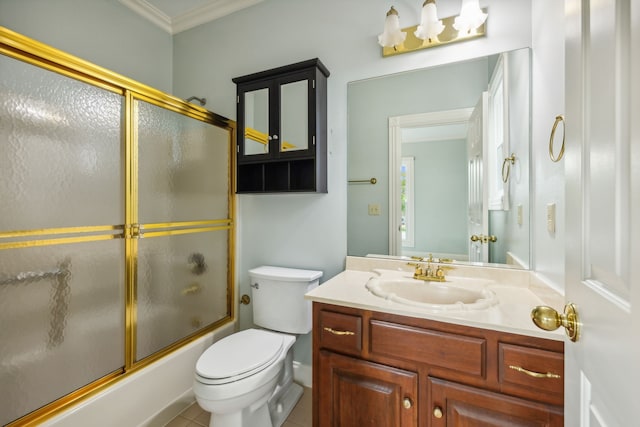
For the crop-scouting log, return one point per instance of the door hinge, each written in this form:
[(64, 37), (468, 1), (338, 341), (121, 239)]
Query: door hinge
[(313, 84), (237, 148), (238, 99), (313, 139)]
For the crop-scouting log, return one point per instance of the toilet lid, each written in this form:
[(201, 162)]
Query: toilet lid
[(240, 355)]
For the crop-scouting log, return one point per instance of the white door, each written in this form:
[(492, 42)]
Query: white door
[(478, 186), (603, 211)]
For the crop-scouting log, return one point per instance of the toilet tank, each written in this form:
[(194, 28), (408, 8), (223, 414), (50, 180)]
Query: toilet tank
[(278, 298)]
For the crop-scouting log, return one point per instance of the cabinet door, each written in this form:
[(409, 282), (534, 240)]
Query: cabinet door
[(452, 404), (296, 127), (357, 393), (254, 121)]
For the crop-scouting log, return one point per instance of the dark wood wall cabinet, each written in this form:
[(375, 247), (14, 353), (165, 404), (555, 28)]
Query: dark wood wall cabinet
[(382, 370), (282, 129)]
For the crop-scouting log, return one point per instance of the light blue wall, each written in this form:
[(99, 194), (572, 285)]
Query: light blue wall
[(103, 32), (441, 196), (547, 102)]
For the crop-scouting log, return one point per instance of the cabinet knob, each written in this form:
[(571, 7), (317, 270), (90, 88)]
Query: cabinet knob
[(275, 136), (437, 412), (406, 402)]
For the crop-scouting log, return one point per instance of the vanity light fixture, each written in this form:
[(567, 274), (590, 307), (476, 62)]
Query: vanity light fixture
[(432, 31)]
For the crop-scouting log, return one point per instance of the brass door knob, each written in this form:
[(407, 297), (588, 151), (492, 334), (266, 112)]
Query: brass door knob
[(407, 403), (437, 412), (549, 319), (475, 238), (492, 239)]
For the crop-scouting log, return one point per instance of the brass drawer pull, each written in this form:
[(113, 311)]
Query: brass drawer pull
[(534, 374), (334, 332)]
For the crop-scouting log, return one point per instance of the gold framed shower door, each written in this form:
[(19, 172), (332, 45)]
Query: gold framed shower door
[(27, 50)]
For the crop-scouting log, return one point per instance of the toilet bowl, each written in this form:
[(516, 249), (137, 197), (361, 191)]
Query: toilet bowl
[(236, 378), (246, 379)]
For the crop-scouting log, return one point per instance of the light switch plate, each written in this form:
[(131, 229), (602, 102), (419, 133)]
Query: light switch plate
[(374, 209), (519, 214), (551, 217)]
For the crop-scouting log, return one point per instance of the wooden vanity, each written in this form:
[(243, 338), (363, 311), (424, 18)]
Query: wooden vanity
[(378, 369)]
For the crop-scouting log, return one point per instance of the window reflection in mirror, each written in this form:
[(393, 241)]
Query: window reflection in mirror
[(256, 122)]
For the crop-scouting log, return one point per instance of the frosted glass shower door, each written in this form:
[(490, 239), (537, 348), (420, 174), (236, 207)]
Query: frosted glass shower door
[(183, 208), (61, 248)]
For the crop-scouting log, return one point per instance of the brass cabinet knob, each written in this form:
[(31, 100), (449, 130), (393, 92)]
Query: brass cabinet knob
[(549, 319), (407, 403), (437, 412)]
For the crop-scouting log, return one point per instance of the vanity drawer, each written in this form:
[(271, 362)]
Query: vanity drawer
[(531, 373), (340, 332), (435, 348)]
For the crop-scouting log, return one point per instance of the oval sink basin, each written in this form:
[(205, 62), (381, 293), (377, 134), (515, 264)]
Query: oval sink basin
[(433, 295)]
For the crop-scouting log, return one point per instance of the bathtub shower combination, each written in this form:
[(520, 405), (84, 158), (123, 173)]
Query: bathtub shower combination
[(116, 227)]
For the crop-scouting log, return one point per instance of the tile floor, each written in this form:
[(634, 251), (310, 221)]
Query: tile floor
[(194, 416)]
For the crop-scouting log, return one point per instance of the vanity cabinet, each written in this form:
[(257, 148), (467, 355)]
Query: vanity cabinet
[(386, 370), (282, 137)]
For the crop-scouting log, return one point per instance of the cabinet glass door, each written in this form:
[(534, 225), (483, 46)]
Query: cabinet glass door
[(294, 116), (256, 122)]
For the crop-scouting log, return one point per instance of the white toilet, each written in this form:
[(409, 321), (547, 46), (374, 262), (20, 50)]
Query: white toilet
[(246, 379)]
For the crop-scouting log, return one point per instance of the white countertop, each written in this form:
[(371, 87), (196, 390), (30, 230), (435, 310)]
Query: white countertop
[(511, 314)]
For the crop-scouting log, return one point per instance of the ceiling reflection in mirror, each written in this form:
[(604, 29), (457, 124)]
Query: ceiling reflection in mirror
[(437, 148)]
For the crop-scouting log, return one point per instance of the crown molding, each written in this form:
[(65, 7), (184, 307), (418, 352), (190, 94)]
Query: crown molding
[(150, 12), (208, 12)]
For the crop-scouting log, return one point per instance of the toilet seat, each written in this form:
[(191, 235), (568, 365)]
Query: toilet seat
[(239, 356)]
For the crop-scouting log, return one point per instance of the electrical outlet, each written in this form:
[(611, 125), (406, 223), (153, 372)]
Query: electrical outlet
[(374, 209), (551, 217)]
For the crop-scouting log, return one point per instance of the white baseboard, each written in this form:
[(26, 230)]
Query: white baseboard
[(302, 374)]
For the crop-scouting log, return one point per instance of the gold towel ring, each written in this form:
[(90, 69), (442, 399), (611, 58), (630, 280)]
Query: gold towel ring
[(559, 119), (508, 161)]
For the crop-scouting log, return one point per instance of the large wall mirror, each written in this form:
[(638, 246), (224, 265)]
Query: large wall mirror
[(449, 149)]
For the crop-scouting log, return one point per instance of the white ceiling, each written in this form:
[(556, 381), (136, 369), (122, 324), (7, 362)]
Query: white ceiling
[(175, 16)]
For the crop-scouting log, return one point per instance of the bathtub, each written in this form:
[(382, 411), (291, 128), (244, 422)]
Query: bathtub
[(150, 397)]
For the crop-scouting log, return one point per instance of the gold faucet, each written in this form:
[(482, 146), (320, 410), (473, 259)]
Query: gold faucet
[(427, 272)]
